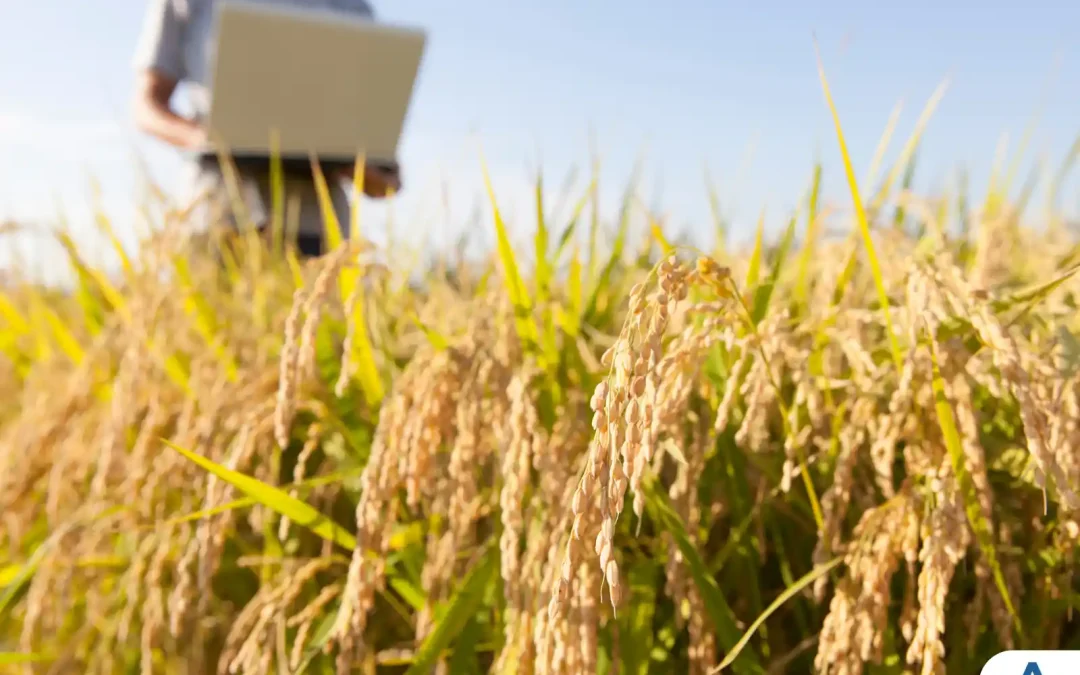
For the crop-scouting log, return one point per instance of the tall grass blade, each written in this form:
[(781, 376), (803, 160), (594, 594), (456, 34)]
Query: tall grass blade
[(19, 580), (461, 607), (656, 233), (764, 292), (170, 363), (206, 325), (1025, 139), (412, 595), (20, 361), (320, 637), (720, 614), (65, 339), (273, 498), (995, 194), (277, 195), (435, 338), (860, 215), (86, 288), (331, 227), (571, 323), (602, 284), (575, 217), (104, 224), (248, 228), (802, 285), (905, 188), (10, 313), (350, 280), (790, 592), (1026, 192), (515, 285), (243, 503), (359, 173), (563, 195), (753, 270), (540, 244), (909, 148), (1032, 297), (464, 658), (231, 179), (295, 269), (39, 327), (637, 621), (565, 238), (544, 276), (1062, 173), (883, 144), (367, 370)]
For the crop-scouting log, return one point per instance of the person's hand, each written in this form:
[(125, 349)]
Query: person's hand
[(380, 181), (195, 137)]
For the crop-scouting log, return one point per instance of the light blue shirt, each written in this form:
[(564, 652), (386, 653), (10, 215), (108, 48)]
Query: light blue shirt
[(178, 40)]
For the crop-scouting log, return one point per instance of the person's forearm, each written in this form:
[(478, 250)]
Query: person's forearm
[(161, 122)]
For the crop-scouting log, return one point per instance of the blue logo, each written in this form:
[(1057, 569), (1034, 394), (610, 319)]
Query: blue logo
[(1034, 662)]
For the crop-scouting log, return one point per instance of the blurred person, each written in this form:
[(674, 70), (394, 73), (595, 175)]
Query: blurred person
[(175, 48)]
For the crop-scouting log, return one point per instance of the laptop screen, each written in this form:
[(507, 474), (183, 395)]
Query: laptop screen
[(341, 88)]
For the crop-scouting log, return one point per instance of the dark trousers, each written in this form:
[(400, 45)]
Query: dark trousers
[(254, 176)]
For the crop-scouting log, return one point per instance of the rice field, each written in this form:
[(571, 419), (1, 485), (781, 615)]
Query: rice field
[(602, 453)]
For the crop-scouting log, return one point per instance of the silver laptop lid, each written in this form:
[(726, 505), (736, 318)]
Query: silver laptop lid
[(329, 83)]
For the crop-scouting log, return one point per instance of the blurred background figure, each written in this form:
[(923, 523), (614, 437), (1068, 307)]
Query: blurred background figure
[(176, 48)]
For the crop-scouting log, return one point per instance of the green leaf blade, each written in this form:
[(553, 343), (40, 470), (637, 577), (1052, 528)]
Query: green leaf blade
[(460, 609), (275, 499), (723, 619)]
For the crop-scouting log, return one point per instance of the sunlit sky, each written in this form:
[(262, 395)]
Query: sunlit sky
[(733, 85)]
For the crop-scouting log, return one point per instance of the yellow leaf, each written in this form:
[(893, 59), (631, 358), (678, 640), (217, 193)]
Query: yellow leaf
[(658, 235), (754, 270), (276, 499), (912, 143), (358, 192), (196, 307), (13, 316), (64, 337), (864, 225), (331, 226), (515, 285)]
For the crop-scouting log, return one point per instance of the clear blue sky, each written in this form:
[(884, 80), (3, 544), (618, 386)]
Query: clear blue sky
[(688, 82)]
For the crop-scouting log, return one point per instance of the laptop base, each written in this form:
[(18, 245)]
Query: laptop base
[(291, 165)]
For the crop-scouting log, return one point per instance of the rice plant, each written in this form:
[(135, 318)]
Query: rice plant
[(628, 457)]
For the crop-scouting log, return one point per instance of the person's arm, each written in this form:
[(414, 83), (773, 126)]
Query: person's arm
[(160, 68), (154, 116)]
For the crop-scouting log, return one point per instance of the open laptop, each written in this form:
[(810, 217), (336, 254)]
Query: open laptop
[(330, 83)]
